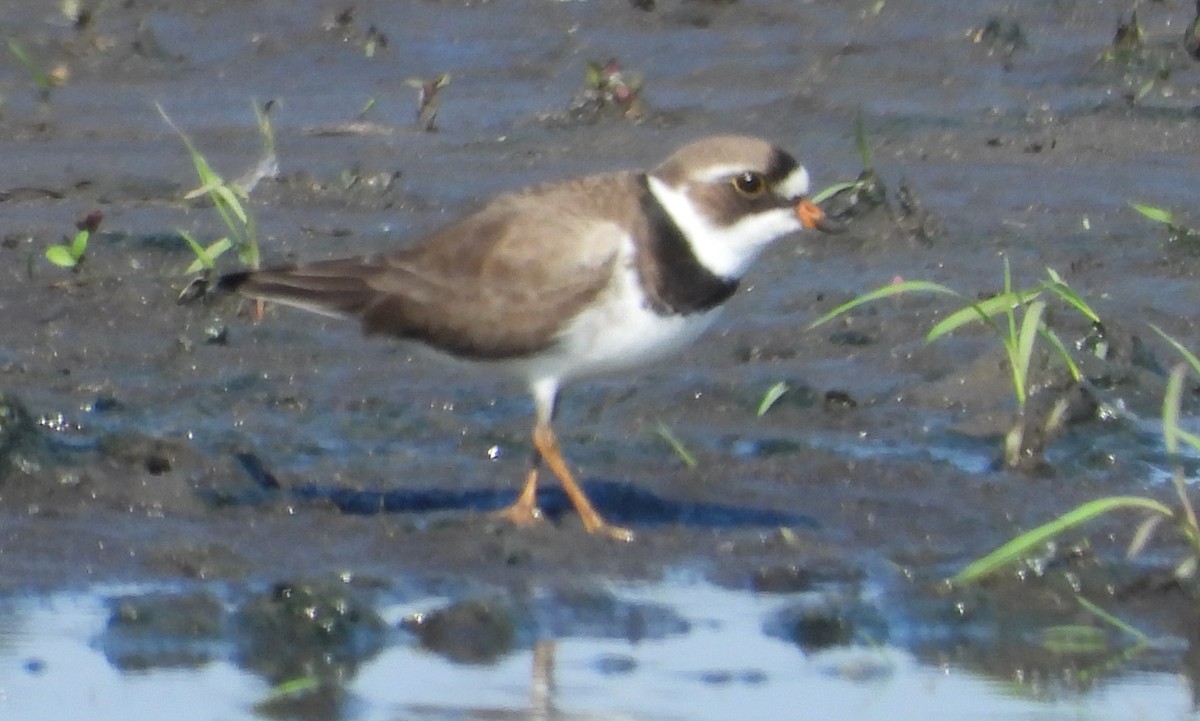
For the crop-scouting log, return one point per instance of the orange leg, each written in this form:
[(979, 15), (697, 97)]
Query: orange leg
[(547, 447), (524, 511)]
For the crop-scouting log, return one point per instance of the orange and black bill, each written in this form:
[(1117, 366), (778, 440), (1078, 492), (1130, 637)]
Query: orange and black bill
[(813, 218)]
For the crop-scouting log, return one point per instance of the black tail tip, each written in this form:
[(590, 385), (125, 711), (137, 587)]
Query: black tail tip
[(201, 288), (231, 282)]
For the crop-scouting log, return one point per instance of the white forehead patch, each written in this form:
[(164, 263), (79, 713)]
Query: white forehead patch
[(795, 184)]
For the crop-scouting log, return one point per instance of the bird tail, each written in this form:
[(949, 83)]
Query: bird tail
[(337, 288)]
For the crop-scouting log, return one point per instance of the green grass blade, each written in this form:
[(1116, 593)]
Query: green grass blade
[(773, 394), (860, 140), (22, 55), (1063, 353), (229, 199), (293, 688), (248, 254), (956, 320), (214, 251), (983, 310), (1191, 439), (1030, 322), (1172, 400), (198, 160), (235, 228), (206, 187), (206, 258), (672, 440), (1158, 215), (1190, 357), (197, 249), (209, 178), (1010, 314), (1027, 542), (1112, 620), (248, 250), (832, 190), (908, 286), (1060, 288)]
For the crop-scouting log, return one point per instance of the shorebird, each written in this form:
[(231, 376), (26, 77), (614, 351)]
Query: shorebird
[(570, 279)]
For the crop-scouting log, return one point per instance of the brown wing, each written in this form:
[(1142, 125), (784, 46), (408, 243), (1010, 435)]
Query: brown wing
[(499, 283)]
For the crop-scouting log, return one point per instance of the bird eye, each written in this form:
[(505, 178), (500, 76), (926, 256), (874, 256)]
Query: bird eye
[(749, 183)]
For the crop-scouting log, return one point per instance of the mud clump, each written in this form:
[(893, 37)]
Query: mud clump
[(163, 630), (471, 631), (321, 630)]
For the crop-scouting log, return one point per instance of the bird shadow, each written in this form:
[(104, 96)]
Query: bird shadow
[(619, 502)]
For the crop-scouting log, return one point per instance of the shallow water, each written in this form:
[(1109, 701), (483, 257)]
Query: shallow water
[(724, 666)]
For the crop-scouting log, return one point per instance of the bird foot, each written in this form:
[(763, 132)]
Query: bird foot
[(525, 516), (616, 533), (519, 514)]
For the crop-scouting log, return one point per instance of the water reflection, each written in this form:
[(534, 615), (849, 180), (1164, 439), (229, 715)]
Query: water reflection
[(57, 656)]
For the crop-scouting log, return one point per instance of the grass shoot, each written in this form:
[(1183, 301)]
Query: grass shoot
[(72, 252), (229, 199), (664, 432), (45, 81), (1176, 230), (867, 181), (1014, 315), (771, 397), (1183, 518)]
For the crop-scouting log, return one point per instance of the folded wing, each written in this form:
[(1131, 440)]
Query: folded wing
[(500, 283)]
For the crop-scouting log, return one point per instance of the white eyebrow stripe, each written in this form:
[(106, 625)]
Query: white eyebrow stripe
[(719, 172), (794, 185)]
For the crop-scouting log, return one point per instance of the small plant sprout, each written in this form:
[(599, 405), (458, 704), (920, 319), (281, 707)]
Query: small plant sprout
[(771, 397), (367, 107), (428, 99), (1183, 519), (1176, 230), (867, 195), (866, 187), (375, 40), (664, 431), (206, 256), (45, 81), (611, 86), (1020, 324), (1141, 62), (228, 198), (71, 253), (1128, 43)]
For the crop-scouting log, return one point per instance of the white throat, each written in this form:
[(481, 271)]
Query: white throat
[(728, 250)]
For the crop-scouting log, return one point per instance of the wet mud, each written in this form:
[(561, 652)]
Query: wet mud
[(190, 444)]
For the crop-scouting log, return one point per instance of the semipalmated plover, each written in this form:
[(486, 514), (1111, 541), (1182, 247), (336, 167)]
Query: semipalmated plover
[(570, 279)]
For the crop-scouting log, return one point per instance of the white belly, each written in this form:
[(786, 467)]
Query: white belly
[(621, 336), (620, 331)]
